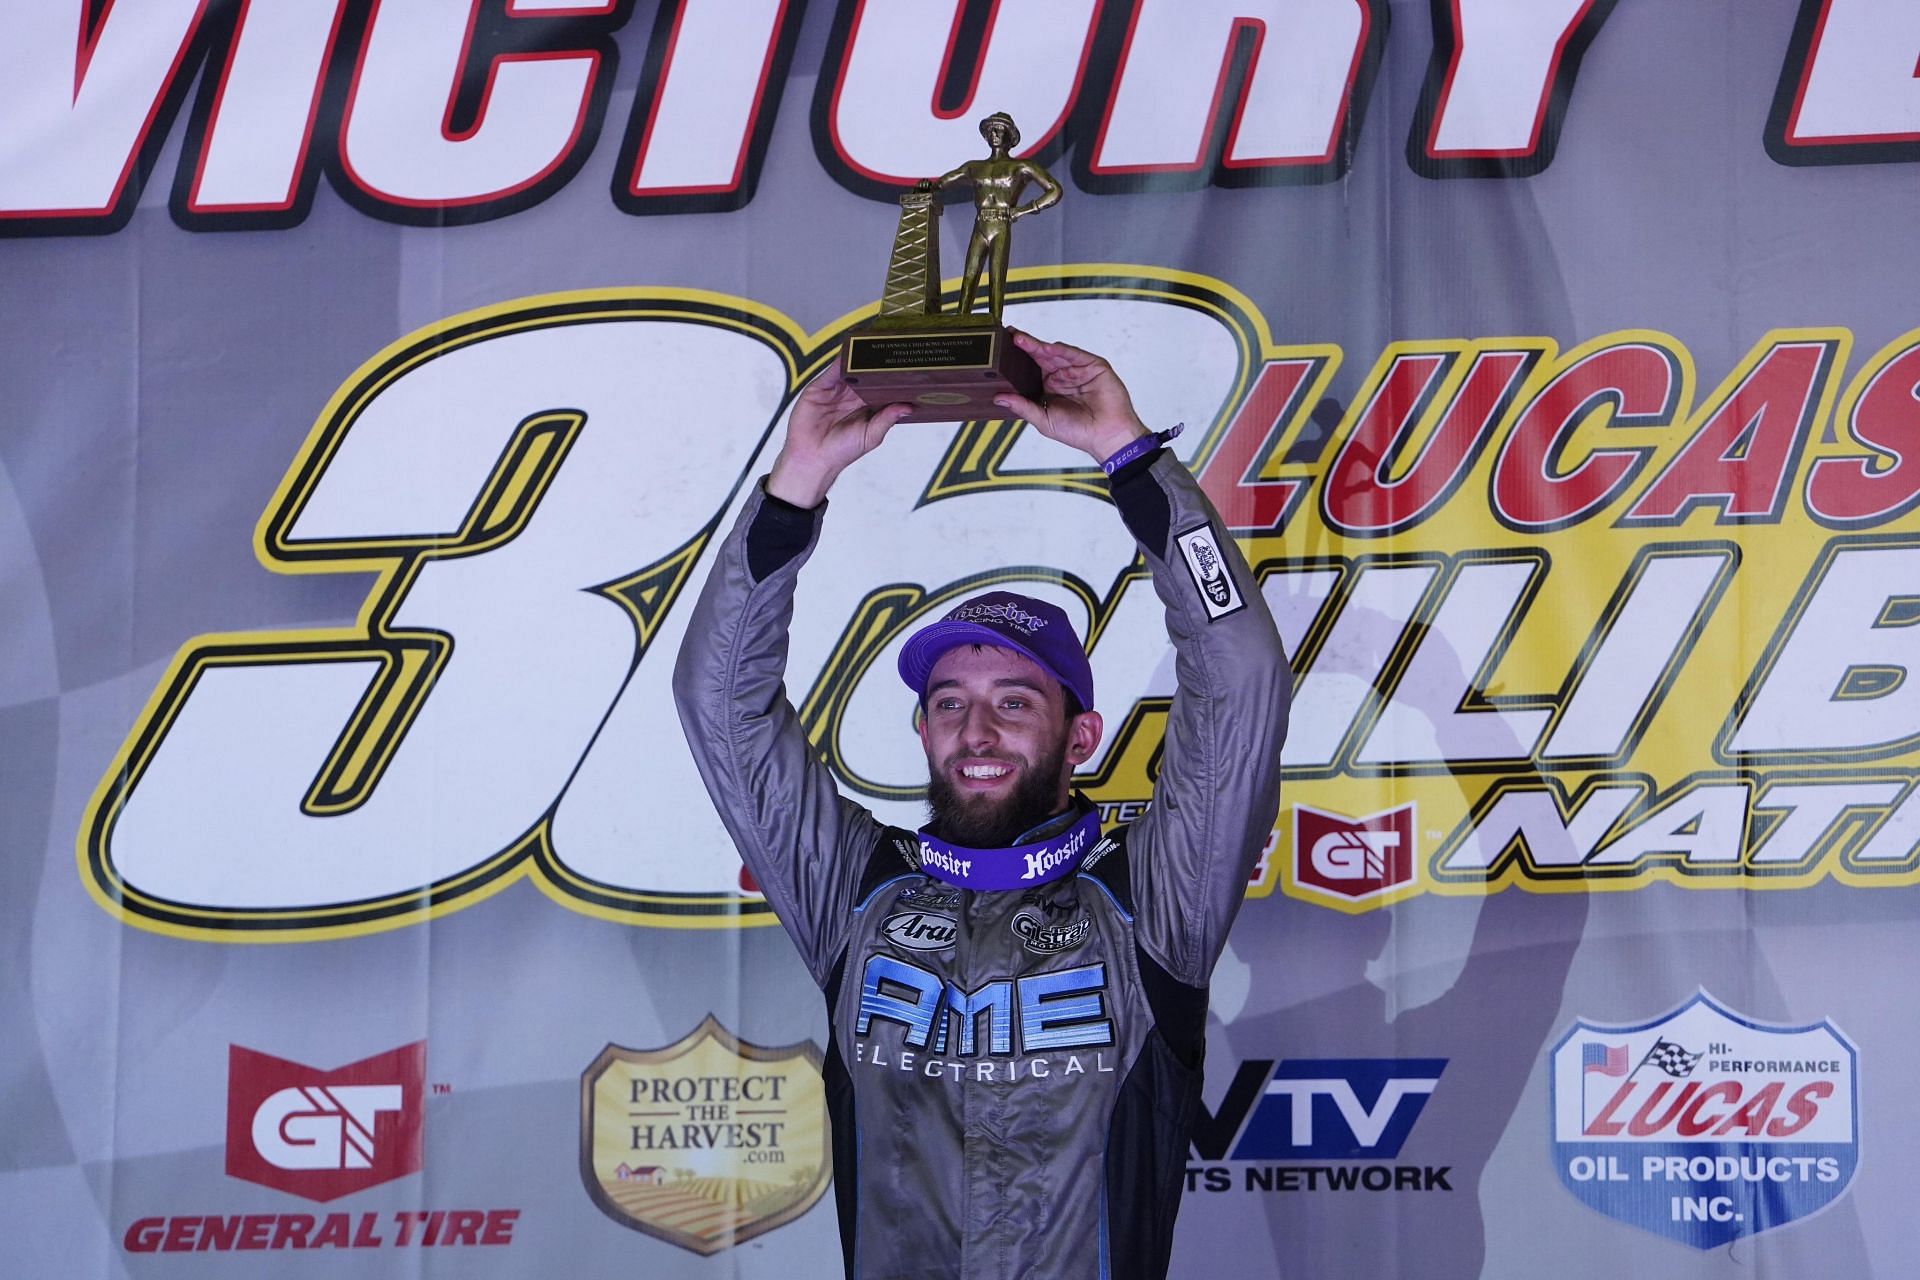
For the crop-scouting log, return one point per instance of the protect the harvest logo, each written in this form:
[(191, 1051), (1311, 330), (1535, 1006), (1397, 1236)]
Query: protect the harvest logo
[(1703, 1125), (707, 1142)]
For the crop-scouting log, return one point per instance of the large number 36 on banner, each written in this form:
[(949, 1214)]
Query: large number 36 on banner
[(533, 487)]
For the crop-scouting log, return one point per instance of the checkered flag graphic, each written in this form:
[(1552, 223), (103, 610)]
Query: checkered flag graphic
[(1671, 1058)]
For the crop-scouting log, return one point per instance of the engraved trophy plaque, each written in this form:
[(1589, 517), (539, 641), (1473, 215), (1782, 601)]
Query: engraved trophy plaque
[(950, 365)]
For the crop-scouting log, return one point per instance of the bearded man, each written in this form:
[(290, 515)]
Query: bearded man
[(1017, 1003)]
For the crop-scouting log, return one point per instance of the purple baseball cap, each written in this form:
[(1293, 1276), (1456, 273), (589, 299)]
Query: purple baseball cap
[(1004, 620)]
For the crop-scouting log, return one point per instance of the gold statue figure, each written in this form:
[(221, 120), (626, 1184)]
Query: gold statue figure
[(997, 183), (951, 364)]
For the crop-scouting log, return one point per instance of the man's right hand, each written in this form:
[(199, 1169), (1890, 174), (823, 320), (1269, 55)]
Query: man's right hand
[(829, 429)]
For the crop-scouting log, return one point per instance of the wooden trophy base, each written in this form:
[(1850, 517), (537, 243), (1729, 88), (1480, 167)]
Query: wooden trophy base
[(949, 371)]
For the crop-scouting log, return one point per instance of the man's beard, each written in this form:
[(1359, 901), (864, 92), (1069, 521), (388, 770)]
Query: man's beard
[(983, 822)]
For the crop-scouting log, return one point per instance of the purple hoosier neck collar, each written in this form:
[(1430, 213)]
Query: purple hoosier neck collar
[(1019, 867)]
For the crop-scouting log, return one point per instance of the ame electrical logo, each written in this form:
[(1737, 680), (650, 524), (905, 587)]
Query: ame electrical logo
[(1307, 1112)]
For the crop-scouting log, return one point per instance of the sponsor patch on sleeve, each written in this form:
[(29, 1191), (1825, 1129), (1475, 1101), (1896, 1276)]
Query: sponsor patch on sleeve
[(1218, 591)]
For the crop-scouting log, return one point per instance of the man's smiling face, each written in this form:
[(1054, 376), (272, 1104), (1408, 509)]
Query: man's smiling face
[(1001, 747)]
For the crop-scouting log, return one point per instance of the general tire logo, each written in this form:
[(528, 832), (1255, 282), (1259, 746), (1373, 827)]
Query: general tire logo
[(1705, 1125), (707, 1142), (324, 1134), (1353, 860)]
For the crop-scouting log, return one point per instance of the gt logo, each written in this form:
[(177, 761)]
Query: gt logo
[(324, 1134), (322, 1128), (1353, 858), (1354, 855)]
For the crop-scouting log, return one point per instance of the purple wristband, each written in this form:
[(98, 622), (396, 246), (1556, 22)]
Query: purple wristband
[(1140, 447)]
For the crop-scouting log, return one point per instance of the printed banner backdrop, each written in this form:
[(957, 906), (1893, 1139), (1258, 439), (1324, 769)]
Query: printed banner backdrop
[(381, 374)]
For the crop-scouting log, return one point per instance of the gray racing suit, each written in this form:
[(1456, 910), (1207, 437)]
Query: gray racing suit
[(1012, 1076)]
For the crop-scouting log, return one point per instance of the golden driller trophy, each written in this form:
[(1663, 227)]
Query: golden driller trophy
[(950, 365)]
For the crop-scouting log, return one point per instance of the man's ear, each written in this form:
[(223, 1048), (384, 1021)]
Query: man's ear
[(1083, 737), (920, 725)]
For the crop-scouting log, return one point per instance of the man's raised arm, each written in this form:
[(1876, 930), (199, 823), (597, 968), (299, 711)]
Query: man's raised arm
[(1219, 785), (804, 843)]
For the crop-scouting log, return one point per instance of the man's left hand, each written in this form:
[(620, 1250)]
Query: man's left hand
[(1083, 402)]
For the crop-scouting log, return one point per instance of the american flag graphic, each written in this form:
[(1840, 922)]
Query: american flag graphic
[(1607, 1059)]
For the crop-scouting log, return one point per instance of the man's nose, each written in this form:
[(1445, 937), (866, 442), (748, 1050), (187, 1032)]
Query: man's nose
[(979, 730)]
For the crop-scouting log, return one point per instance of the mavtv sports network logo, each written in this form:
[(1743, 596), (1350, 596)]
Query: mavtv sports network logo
[(1338, 1108), (1308, 1112), (324, 1134)]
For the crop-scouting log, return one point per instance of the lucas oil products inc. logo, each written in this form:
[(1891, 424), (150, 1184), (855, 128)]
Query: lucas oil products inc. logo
[(1352, 860), (707, 1142), (1318, 1124), (1704, 1125), (322, 1135)]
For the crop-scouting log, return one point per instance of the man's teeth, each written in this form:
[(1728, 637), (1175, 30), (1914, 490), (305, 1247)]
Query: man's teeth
[(984, 771)]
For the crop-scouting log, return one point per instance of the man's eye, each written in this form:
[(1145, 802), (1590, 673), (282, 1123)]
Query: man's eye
[(1014, 704)]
